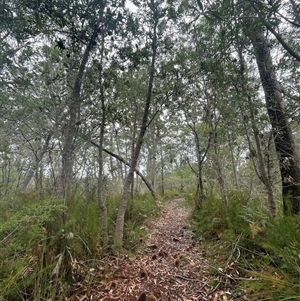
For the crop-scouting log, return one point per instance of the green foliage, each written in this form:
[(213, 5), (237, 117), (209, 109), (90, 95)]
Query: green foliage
[(281, 239), (41, 241), (170, 194), (28, 234), (140, 208), (217, 219), (82, 220), (268, 248), (112, 203)]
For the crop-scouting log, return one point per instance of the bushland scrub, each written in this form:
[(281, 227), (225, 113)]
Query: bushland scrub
[(235, 252), (248, 250), (46, 247)]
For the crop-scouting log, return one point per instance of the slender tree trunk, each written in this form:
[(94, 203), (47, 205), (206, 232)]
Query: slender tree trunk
[(38, 158), (73, 122), (233, 161), (151, 159), (119, 231), (220, 174), (257, 157), (200, 159), (153, 193), (283, 138), (162, 176), (119, 154), (101, 202), (132, 152), (263, 174), (200, 187)]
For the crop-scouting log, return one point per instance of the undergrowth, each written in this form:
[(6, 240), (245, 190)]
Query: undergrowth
[(46, 247), (243, 241)]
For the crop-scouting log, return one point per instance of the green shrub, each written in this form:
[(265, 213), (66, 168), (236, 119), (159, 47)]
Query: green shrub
[(268, 248), (216, 219), (281, 239), (140, 208), (42, 241), (26, 234), (171, 194)]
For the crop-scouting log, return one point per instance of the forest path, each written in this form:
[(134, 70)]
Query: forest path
[(169, 266)]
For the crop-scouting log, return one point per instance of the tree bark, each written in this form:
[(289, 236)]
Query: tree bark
[(72, 126), (119, 231), (283, 138), (101, 202), (220, 174), (277, 35), (262, 174), (200, 159), (233, 162), (261, 167)]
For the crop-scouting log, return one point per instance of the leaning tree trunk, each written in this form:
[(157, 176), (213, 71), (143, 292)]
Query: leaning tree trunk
[(283, 138), (73, 122), (120, 159), (119, 231)]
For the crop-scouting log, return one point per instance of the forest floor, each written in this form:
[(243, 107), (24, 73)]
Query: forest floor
[(171, 265)]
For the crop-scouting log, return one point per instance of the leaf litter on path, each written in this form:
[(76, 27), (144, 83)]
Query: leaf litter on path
[(169, 266)]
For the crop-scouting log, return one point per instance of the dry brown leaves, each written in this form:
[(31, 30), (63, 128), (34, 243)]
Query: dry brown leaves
[(170, 266)]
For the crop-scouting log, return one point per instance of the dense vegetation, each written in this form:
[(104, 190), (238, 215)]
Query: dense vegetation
[(108, 107)]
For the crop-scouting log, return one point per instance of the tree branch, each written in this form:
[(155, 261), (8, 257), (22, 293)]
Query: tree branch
[(123, 161)]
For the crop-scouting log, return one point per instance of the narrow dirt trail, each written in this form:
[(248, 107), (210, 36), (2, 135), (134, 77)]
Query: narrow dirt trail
[(169, 266)]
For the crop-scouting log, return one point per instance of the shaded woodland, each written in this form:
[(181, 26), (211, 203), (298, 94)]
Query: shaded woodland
[(110, 107)]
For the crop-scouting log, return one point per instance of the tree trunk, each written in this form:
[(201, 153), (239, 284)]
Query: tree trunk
[(72, 124), (200, 159), (263, 174), (296, 11), (120, 159), (220, 174), (233, 162), (119, 152), (152, 191), (101, 202), (283, 138), (277, 35), (151, 159), (38, 158), (119, 231), (261, 168), (132, 152)]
